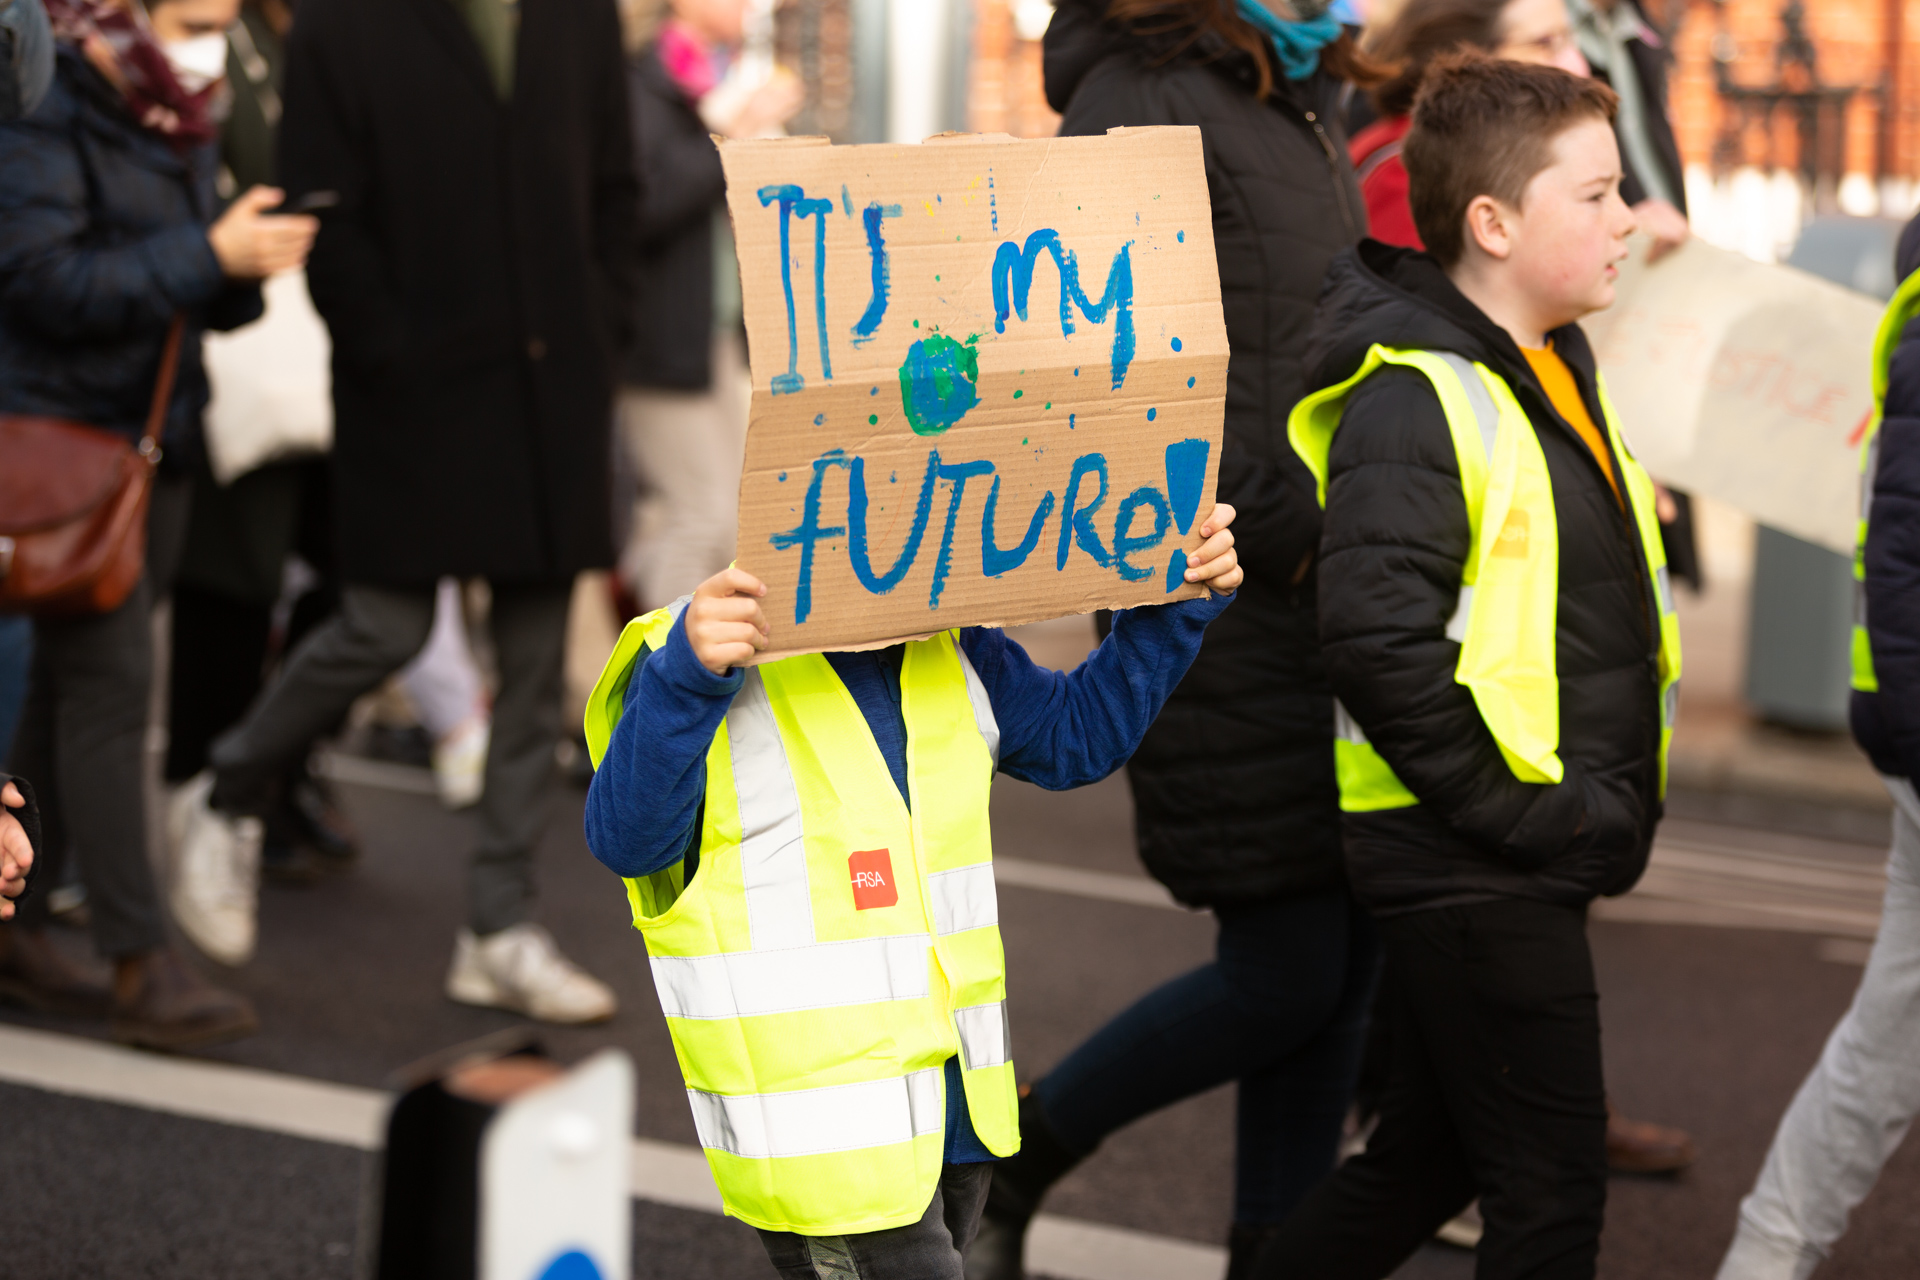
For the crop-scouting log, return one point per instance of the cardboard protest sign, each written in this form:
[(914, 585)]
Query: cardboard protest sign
[(988, 378), (1746, 382)]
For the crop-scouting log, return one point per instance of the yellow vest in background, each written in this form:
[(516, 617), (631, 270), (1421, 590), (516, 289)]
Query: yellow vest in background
[(1509, 587), (834, 948), (1904, 306)]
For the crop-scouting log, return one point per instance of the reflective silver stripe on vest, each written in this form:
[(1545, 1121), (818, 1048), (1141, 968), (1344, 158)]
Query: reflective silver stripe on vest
[(812, 1122), (982, 705), (963, 899), (773, 852), (1486, 416), (746, 984), (1663, 587), (1485, 413), (1345, 727), (1670, 705), (1462, 614), (985, 1038)]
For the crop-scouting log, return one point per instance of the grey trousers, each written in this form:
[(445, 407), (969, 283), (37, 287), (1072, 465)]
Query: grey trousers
[(377, 630), (930, 1249), (1855, 1106), (82, 740)]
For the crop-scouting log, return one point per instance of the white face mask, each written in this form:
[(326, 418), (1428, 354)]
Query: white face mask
[(197, 61)]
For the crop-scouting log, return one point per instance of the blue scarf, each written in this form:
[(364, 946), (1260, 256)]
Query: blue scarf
[(1296, 44)]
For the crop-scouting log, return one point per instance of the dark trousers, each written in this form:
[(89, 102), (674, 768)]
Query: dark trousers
[(930, 1249), (1493, 1089), (1282, 1010), (82, 742), (373, 635)]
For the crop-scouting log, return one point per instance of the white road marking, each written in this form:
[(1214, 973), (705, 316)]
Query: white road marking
[(663, 1172)]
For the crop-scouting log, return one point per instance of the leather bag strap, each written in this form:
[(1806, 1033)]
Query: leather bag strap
[(163, 387)]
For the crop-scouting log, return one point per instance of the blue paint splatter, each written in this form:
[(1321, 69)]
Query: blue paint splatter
[(571, 1265), (1076, 373), (1186, 462), (1125, 543), (1181, 236), (1070, 418), (1013, 281), (937, 383), (870, 319), (783, 477), (1177, 570), (1152, 414), (1076, 527), (994, 561), (993, 208), (1189, 381), (873, 391), (819, 418), (1176, 344), (794, 200)]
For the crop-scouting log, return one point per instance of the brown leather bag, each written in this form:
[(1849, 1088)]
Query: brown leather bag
[(73, 506)]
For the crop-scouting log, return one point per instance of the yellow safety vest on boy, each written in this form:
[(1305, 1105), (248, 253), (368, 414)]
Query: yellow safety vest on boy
[(1904, 306), (1509, 588), (834, 948)]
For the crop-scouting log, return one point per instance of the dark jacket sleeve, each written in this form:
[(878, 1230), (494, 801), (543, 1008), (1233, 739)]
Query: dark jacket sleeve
[(59, 279), (1893, 558), (1395, 543), (681, 180), (326, 144), (616, 186)]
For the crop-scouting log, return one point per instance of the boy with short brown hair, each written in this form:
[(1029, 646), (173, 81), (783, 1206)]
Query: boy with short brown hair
[(1496, 626)]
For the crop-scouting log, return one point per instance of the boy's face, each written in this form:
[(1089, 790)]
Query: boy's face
[(1571, 227)]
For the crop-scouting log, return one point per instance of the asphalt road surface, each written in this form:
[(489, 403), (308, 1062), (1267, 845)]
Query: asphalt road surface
[(1708, 1027)]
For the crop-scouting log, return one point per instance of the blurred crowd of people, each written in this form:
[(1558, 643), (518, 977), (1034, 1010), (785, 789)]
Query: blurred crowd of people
[(511, 218)]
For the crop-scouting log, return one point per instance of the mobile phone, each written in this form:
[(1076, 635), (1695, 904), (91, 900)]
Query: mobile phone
[(312, 202)]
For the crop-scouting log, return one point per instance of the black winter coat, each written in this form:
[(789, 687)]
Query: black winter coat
[(1233, 786), (1887, 723), (1395, 544), (682, 188), (103, 238), (475, 275)]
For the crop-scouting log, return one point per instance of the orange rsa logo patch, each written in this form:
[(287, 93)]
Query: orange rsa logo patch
[(871, 871), (1513, 538)]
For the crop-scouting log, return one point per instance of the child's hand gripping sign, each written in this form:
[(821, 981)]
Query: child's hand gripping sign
[(988, 379)]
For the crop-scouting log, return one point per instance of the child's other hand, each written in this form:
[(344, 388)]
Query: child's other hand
[(724, 623), (1216, 563), (16, 854)]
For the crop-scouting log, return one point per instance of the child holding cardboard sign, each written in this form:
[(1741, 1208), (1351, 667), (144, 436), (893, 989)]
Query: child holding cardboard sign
[(806, 849), (1497, 626)]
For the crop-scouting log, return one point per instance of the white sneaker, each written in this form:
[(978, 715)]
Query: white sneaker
[(460, 763), (215, 892), (521, 969)]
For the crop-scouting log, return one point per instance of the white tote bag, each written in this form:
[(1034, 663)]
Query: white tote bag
[(272, 384)]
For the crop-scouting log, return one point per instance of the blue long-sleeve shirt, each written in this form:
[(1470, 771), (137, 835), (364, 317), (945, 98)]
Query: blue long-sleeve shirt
[(1057, 730)]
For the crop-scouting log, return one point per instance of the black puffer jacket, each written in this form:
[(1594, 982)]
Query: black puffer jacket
[(103, 238), (1396, 540), (1233, 786), (1887, 723)]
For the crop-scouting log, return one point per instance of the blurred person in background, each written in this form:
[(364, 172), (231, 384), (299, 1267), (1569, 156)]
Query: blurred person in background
[(683, 399), (473, 269), (1856, 1105), (104, 239), (26, 57), (1255, 834), (239, 536), (26, 72)]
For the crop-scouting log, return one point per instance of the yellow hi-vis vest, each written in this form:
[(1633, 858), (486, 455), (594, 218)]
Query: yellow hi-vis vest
[(834, 949), (1509, 587), (1904, 306)]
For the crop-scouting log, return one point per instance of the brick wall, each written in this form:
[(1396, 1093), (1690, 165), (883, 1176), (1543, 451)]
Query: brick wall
[(1004, 92)]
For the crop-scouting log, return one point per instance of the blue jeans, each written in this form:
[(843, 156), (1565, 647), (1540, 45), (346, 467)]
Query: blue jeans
[(1282, 1010), (930, 1249), (16, 662)]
